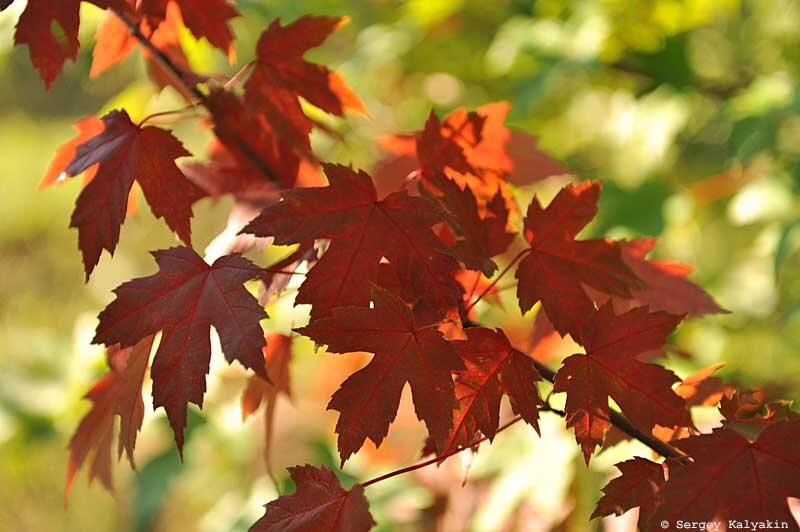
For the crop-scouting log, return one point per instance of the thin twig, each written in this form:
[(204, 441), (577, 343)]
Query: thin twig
[(437, 458), (499, 276), (160, 56), (616, 418), (191, 88), (622, 423), (167, 113)]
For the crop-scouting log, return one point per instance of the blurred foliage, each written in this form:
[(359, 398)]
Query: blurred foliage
[(688, 109)]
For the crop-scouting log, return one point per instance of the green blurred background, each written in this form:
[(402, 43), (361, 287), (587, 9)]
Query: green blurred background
[(689, 110)]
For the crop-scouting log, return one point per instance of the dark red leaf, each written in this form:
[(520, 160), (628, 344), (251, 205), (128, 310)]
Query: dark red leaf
[(362, 231), (183, 300), (208, 19), (50, 29), (319, 503), (667, 287), (494, 367), (610, 369), (479, 238), (126, 152), (733, 478), (281, 76), (558, 265), (404, 352), (251, 140), (639, 485)]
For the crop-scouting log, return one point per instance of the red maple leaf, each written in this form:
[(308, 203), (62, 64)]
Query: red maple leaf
[(208, 19), (404, 352), (506, 151), (445, 145), (639, 485), (126, 152), (114, 43), (732, 477), (478, 237), (557, 266), (183, 300), (56, 171), (494, 367), (319, 503), (117, 393), (50, 29), (610, 369), (754, 407), (281, 76), (260, 155), (49, 50), (474, 148), (667, 287), (362, 231)]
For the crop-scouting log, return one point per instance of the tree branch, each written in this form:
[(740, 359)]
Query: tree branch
[(191, 88), (437, 459), (161, 57), (622, 423), (616, 418)]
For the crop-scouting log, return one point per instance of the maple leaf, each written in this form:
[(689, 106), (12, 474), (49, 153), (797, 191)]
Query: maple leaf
[(183, 300), (277, 354), (701, 388), (474, 148), (479, 238), (505, 151), (50, 29), (117, 393), (732, 477), (493, 367), (639, 485), (319, 503), (208, 19), (281, 76), (126, 152), (114, 43), (362, 231), (667, 287), (746, 409), (610, 369), (557, 265), (56, 171), (252, 142), (448, 147), (441, 146), (404, 352)]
